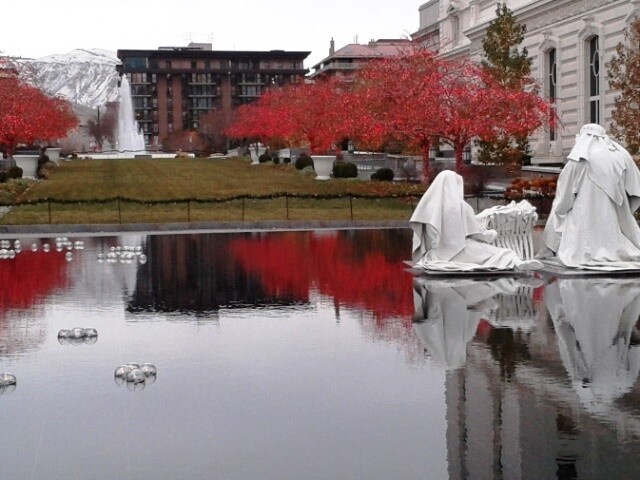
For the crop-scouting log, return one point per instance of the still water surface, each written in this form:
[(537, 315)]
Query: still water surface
[(311, 355)]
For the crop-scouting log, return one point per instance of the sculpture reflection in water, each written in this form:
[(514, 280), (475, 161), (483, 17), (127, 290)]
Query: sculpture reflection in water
[(448, 311), (596, 323), (511, 413)]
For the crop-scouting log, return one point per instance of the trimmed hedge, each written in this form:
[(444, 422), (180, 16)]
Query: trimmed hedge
[(304, 160), (383, 174), (264, 158), (345, 170)]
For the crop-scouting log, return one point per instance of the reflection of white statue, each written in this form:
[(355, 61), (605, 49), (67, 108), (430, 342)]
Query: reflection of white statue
[(447, 236), (591, 224), (447, 313), (595, 321)]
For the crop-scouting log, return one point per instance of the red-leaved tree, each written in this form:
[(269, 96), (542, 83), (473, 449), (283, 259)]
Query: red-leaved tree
[(310, 115), (27, 114), (474, 105), (393, 100), (417, 96)]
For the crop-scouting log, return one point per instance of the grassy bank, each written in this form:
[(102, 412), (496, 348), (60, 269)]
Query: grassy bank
[(203, 190)]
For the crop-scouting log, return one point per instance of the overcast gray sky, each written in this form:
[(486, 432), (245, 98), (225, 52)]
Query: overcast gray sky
[(35, 28)]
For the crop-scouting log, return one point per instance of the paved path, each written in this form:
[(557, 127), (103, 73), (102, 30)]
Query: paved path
[(9, 231)]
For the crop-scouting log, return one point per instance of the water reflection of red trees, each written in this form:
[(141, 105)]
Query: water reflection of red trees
[(364, 273), (30, 276)]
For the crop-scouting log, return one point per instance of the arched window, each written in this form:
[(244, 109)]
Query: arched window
[(594, 79)]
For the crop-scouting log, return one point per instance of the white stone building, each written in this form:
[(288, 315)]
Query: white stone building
[(570, 42)]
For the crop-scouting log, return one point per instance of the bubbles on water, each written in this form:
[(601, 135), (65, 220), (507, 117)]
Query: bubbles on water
[(78, 336), (123, 254), (10, 248), (135, 376)]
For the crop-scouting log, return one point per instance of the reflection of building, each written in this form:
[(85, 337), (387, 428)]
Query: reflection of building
[(346, 60), (198, 274), (172, 86), (569, 41)]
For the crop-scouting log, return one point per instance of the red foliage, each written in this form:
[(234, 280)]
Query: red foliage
[(27, 114), (418, 95), (393, 100), (298, 114), (297, 263), (539, 187), (30, 276)]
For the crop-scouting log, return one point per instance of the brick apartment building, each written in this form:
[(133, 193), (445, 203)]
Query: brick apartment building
[(172, 86)]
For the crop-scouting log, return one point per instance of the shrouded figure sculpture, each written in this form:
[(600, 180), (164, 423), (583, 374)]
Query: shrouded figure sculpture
[(591, 224), (447, 236)]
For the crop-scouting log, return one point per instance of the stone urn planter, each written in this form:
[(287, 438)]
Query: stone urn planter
[(28, 164), (323, 165), (255, 157), (53, 154)]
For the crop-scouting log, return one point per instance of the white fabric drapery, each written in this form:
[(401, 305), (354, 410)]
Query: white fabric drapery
[(447, 236), (591, 224)]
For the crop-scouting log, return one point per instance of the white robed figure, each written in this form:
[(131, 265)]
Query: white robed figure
[(591, 224), (447, 236), (599, 343)]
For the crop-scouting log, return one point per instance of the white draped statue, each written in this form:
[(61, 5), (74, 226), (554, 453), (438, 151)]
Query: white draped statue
[(447, 236), (599, 343), (591, 224)]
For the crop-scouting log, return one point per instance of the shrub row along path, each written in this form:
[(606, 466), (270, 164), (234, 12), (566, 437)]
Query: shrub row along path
[(224, 190)]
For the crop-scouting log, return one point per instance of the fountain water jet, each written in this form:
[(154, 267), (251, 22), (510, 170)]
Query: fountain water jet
[(128, 134), (129, 139)]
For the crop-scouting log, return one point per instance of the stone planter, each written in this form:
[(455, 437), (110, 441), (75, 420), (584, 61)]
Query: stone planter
[(28, 164), (255, 157), (53, 154), (323, 165)]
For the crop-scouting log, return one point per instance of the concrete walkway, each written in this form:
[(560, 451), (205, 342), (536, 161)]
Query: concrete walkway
[(9, 231)]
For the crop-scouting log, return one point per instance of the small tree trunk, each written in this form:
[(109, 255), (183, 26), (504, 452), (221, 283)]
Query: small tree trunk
[(426, 168), (458, 149)]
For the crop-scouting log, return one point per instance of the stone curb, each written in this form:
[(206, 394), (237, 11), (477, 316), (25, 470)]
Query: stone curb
[(193, 227)]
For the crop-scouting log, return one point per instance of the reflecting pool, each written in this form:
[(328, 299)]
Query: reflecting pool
[(307, 355)]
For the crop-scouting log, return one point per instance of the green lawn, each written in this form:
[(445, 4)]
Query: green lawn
[(214, 188)]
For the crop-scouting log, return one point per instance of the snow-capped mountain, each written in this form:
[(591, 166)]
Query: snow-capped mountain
[(85, 77)]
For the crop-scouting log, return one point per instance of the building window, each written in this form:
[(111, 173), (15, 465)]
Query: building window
[(594, 80), (138, 78), (250, 90), (552, 78), (194, 65), (168, 64), (135, 62), (455, 29)]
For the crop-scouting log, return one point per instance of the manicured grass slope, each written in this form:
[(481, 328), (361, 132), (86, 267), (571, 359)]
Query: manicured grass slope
[(184, 179)]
